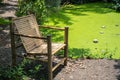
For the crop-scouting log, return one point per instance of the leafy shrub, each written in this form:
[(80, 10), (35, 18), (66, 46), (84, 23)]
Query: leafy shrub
[(36, 7), (116, 5), (81, 1), (1, 1), (40, 8), (21, 71), (79, 53), (52, 3), (11, 73), (4, 21), (35, 70)]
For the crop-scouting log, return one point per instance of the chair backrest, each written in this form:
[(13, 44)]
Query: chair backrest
[(27, 25)]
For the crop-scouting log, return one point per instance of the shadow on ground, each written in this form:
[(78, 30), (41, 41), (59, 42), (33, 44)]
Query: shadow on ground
[(37, 70), (5, 48), (99, 8), (117, 66), (60, 16)]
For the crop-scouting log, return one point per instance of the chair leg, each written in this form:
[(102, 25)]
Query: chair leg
[(66, 47), (13, 51), (65, 55), (50, 74)]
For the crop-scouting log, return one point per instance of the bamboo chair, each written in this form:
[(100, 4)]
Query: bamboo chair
[(35, 44)]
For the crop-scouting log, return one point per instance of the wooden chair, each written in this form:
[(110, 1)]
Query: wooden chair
[(36, 45)]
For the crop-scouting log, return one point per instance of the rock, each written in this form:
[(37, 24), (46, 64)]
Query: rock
[(95, 41), (116, 25), (117, 34), (101, 32), (71, 77), (6, 31), (82, 67), (103, 27), (62, 79)]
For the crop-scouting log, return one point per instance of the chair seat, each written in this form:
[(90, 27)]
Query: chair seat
[(43, 48)]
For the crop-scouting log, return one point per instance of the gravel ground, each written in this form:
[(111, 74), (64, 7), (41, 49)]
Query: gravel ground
[(7, 9), (100, 69)]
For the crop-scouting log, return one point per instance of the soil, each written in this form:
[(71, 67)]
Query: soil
[(100, 69), (80, 69)]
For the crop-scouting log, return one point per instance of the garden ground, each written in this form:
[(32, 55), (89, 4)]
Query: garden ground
[(86, 69)]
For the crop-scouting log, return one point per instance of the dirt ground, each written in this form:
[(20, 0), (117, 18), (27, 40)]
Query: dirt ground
[(87, 69), (101, 69)]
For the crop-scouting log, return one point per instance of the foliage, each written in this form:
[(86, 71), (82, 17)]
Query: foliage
[(116, 5), (4, 21), (82, 1), (41, 8), (33, 69), (86, 53), (79, 53), (52, 3), (11, 73), (36, 7), (1, 1), (21, 71)]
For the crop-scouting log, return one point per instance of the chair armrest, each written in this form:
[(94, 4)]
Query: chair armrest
[(62, 29), (30, 36)]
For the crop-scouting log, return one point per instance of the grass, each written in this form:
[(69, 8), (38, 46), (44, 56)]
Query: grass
[(85, 23)]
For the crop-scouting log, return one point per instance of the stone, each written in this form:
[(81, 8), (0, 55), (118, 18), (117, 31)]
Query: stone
[(101, 32), (116, 25), (71, 77), (95, 41), (103, 27)]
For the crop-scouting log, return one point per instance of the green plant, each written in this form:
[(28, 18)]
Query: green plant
[(52, 3), (79, 53), (19, 72), (33, 69), (4, 21), (11, 73), (36, 7), (82, 1), (40, 8), (0, 1), (116, 5)]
